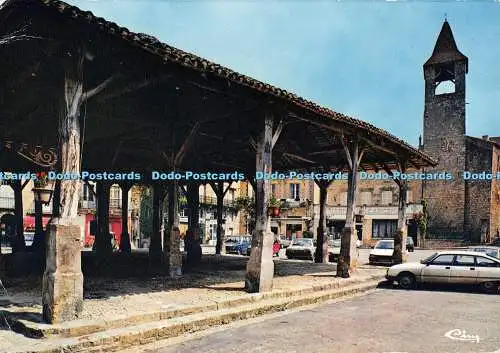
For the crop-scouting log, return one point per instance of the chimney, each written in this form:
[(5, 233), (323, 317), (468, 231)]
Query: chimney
[(485, 137)]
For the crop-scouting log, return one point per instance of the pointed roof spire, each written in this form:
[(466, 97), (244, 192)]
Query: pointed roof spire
[(446, 49)]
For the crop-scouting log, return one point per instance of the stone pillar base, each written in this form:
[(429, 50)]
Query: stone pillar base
[(175, 256), (62, 286), (260, 266)]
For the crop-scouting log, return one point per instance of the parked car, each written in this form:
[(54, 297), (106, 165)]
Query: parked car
[(302, 248), (492, 251), (382, 253), (28, 238), (285, 242), (333, 250), (238, 245), (450, 267)]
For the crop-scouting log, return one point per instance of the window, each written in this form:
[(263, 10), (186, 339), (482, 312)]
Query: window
[(464, 260), (409, 196), (273, 190), (87, 193), (445, 87), (443, 260), (484, 262), (386, 197), (384, 228), (295, 191), (343, 199), (365, 198)]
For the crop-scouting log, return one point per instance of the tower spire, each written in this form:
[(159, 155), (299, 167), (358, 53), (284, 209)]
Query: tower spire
[(446, 49)]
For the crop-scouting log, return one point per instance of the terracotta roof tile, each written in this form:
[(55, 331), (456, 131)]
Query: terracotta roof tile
[(181, 57)]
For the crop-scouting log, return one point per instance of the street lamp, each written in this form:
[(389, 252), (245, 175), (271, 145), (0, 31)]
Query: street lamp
[(43, 190)]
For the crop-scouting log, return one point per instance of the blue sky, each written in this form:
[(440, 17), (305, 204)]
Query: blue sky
[(360, 58)]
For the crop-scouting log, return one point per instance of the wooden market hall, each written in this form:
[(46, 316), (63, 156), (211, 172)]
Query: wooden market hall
[(82, 93)]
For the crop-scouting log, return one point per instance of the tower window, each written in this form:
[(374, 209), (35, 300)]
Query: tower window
[(445, 87)]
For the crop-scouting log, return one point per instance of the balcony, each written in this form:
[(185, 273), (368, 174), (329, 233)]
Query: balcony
[(209, 200), (7, 203), (87, 204), (340, 211)]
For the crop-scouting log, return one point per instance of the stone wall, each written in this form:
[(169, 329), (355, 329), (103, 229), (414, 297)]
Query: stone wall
[(495, 196), (478, 192)]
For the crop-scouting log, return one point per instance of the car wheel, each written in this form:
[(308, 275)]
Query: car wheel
[(406, 280), (491, 287)]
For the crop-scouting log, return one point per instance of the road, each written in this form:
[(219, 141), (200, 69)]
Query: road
[(414, 256), (385, 320)]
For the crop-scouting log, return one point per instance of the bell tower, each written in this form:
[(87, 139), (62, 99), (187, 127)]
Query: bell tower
[(444, 132)]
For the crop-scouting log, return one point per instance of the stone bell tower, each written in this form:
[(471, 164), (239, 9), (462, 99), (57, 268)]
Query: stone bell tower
[(444, 133)]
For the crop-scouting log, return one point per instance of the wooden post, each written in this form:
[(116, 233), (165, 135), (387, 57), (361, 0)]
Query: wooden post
[(193, 198), (321, 254), (155, 245), (19, 243), (125, 246), (260, 267), (400, 238), (104, 247), (220, 192), (173, 252), (348, 251), (62, 287)]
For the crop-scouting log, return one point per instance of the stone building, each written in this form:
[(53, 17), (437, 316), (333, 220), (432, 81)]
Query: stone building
[(460, 208)]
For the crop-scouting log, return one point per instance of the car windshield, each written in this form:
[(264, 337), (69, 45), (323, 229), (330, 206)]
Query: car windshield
[(429, 258), (385, 245), (302, 242)]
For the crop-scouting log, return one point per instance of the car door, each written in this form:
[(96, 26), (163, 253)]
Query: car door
[(438, 270), (487, 269), (464, 270)]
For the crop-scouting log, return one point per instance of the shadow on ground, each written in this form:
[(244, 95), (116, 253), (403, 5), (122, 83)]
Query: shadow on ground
[(127, 275)]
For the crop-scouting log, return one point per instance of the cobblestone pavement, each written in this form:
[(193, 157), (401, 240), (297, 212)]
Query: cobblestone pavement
[(217, 279), (387, 320)]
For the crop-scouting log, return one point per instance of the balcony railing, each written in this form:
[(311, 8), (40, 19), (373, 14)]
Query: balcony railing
[(209, 200), (87, 204), (373, 210), (7, 203)]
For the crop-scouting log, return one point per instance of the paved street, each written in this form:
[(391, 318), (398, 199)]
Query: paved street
[(386, 320), (415, 256)]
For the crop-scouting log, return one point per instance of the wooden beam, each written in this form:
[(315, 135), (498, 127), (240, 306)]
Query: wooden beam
[(294, 156), (92, 92), (187, 144), (347, 153), (277, 132), (133, 87)]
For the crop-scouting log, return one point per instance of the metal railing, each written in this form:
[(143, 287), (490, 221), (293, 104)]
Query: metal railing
[(373, 210), (210, 200), (7, 203)]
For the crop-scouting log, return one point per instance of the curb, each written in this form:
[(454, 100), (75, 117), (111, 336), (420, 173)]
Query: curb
[(84, 327), (121, 338)]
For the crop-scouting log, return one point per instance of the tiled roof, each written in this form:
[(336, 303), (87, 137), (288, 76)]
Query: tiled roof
[(194, 62), (446, 49)]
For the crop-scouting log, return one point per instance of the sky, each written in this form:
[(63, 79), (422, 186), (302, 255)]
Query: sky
[(360, 58)]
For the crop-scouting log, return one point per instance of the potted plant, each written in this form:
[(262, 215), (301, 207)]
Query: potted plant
[(43, 188), (274, 207)]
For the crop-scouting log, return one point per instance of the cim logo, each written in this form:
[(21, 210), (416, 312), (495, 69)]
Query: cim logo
[(461, 335)]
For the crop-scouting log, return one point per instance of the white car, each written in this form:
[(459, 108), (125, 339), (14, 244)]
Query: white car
[(302, 248), (453, 267), (382, 252)]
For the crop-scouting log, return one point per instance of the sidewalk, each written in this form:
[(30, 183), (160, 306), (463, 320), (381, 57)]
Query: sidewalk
[(212, 293)]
